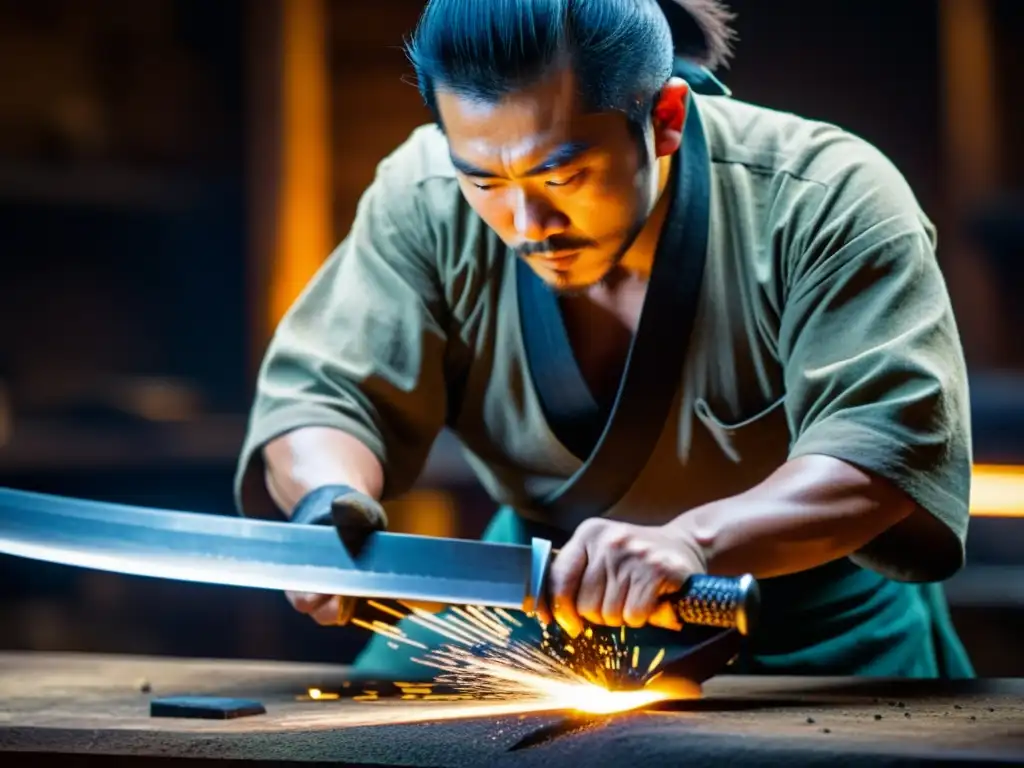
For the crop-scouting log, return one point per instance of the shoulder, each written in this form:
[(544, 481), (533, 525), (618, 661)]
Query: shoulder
[(414, 187), (775, 142), (415, 194), (419, 160), (820, 171), (820, 195), (415, 199)]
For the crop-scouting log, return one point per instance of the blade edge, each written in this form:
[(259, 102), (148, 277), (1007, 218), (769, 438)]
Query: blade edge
[(195, 547)]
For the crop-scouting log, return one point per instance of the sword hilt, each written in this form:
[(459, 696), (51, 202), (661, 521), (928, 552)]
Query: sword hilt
[(711, 601), (718, 601)]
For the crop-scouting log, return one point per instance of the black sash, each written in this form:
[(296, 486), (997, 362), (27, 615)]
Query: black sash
[(617, 442)]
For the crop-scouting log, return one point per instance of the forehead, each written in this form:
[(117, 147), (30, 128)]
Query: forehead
[(521, 125)]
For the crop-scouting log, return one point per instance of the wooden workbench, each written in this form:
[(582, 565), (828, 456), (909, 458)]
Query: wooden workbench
[(93, 711)]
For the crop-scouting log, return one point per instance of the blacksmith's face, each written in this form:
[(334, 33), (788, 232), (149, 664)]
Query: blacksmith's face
[(567, 189)]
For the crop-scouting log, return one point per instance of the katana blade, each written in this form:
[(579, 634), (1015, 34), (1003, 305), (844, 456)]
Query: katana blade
[(235, 551)]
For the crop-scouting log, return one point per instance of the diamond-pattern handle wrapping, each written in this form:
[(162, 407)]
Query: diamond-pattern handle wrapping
[(718, 601)]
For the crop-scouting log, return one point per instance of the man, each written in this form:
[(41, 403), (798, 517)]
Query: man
[(817, 435)]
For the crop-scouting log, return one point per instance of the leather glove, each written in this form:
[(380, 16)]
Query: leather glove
[(355, 516)]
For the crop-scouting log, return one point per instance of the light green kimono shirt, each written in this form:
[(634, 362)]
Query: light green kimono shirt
[(823, 327)]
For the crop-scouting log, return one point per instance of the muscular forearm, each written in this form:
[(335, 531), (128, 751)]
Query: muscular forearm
[(813, 510), (309, 458)]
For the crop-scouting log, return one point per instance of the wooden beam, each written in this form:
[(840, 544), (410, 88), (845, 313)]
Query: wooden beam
[(304, 218), (290, 188), (971, 167), (970, 106)]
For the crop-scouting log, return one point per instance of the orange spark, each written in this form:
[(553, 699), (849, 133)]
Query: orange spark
[(492, 674)]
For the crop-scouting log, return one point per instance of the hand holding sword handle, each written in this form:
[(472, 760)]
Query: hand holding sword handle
[(710, 601)]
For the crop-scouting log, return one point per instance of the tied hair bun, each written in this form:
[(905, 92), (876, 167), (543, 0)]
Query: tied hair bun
[(701, 30)]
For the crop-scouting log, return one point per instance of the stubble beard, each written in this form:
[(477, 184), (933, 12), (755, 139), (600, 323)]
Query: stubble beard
[(646, 199), (562, 285)]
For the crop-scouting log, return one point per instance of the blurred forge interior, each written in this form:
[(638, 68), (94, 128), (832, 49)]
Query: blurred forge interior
[(172, 171)]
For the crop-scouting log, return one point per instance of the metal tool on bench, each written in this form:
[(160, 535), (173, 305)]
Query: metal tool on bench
[(214, 549)]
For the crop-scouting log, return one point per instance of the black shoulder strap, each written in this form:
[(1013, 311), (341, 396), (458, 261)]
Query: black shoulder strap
[(655, 361)]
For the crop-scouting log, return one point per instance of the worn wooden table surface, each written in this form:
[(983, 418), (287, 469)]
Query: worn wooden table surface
[(91, 709)]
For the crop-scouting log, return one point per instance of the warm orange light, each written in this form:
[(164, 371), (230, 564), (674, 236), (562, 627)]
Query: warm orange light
[(317, 695), (997, 491), (304, 227), (424, 512), (583, 696)]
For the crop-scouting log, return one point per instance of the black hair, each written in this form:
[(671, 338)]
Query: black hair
[(622, 51), (701, 30)]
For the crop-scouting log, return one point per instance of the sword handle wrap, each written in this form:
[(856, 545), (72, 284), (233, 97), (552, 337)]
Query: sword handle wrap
[(718, 601)]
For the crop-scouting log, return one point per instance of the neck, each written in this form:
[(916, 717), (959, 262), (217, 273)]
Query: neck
[(640, 257)]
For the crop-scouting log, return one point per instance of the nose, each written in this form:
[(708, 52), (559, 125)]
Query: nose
[(535, 219)]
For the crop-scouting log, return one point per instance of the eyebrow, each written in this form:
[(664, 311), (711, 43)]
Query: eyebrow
[(560, 156)]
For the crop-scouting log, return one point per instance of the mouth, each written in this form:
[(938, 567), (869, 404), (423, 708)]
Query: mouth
[(559, 261)]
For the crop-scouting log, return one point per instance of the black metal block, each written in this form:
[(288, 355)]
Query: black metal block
[(205, 707)]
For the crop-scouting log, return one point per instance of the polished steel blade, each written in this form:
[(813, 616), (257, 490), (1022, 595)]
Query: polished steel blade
[(214, 549)]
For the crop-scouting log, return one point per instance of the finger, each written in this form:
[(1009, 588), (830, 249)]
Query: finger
[(641, 601), (356, 517), (590, 597), (564, 583), (615, 591), (664, 616), (306, 602), (356, 507), (334, 612)]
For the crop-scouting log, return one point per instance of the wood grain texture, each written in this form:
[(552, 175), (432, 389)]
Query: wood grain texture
[(92, 705)]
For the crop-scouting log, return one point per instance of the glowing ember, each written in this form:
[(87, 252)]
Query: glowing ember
[(317, 695)]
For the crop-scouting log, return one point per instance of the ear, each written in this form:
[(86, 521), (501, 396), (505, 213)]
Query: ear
[(669, 116)]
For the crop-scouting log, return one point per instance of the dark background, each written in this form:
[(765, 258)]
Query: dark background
[(146, 150)]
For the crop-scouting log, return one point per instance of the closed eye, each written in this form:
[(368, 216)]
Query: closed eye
[(484, 186), (566, 181)]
